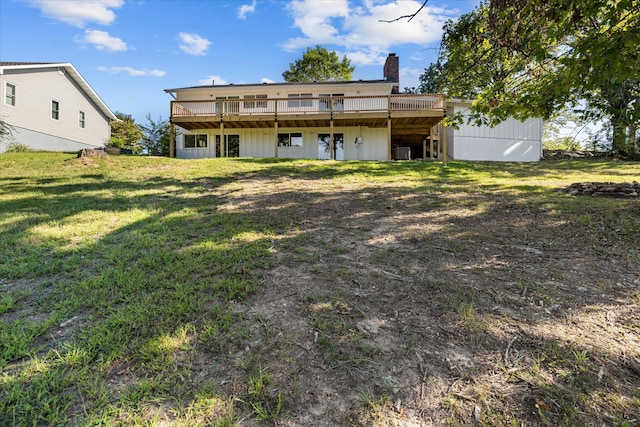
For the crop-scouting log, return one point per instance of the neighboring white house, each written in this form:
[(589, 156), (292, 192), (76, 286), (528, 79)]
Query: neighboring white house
[(352, 120), (49, 106)]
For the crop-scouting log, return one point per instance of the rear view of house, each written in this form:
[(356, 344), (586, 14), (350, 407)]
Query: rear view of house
[(49, 106), (349, 120)]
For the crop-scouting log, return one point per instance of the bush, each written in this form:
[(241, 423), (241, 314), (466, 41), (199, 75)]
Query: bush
[(16, 147)]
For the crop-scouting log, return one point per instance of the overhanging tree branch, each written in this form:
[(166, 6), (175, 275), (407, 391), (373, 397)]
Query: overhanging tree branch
[(411, 16)]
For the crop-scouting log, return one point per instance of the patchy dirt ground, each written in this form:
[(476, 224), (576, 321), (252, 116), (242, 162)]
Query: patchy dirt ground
[(428, 309)]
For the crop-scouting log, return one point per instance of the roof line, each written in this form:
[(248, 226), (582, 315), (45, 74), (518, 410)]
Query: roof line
[(325, 83)]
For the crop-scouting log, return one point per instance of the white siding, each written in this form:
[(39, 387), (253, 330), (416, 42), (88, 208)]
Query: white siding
[(510, 141), (261, 143), (31, 116)]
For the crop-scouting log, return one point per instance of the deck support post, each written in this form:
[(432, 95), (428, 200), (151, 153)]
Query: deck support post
[(275, 117), (443, 141), (172, 141), (389, 137), (275, 146), (331, 141), (424, 147), (222, 153), (431, 144)]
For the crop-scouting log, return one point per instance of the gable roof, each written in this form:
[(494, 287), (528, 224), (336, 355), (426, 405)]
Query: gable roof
[(72, 72)]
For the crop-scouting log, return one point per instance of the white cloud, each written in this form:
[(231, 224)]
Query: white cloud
[(359, 31), (410, 77), (133, 71), (266, 80), (315, 20), (212, 79), (245, 9), (101, 40), (79, 12), (193, 44)]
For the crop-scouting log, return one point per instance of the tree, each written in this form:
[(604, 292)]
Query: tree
[(431, 81), (155, 140), (527, 58), (319, 65), (126, 133)]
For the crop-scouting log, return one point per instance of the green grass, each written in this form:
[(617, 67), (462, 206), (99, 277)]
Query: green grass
[(140, 263)]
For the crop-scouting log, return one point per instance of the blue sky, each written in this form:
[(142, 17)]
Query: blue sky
[(129, 51)]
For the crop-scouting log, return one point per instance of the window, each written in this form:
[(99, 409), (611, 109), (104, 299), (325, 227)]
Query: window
[(338, 101), (233, 107), (81, 119), (10, 94), (229, 107), (55, 110), (297, 103), (290, 139), (196, 141), (255, 104)]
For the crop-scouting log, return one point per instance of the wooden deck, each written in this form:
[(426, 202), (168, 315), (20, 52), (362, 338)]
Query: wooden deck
[(406, 113)]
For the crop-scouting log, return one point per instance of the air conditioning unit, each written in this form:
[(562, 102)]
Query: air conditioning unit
[(403, 153)]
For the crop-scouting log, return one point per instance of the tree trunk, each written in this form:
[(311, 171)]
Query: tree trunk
[(620, 142), (633, 134)]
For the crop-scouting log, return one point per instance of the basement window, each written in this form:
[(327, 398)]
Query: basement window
[(196, 141), (293, 139)]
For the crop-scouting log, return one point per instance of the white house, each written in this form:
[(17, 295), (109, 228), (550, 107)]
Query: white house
[(349, 120), (49, 106)]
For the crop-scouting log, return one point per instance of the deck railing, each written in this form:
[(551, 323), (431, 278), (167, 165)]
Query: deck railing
[(311, 105)]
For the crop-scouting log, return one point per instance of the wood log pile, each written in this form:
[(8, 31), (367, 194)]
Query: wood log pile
[(604, 189)]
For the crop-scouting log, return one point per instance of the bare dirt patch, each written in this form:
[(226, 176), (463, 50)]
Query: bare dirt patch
[(389, 308)]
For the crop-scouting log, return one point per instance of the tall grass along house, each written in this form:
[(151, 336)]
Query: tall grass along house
[(346, 120), (50, 106)]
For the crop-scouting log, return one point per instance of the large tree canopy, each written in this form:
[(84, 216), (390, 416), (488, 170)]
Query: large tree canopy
[(319, 65), (525, 58)]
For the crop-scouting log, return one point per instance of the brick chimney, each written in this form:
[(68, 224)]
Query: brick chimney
[(392, 71)]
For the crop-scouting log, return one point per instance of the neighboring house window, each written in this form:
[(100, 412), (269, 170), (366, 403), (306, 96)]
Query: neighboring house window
[(81, 119), (338, 101), (196, 141), (255, 104), (10, 94), (297, 103), (55, 110), (290, 139)]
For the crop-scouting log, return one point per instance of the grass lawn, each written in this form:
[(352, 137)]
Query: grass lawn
[(154, 291)]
